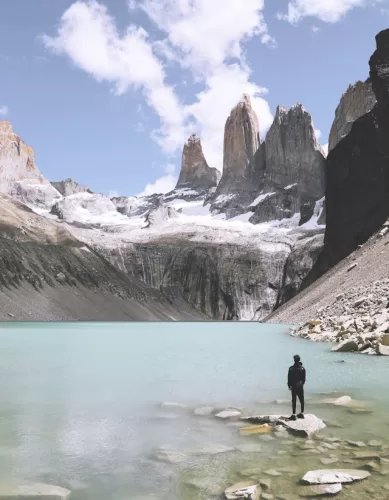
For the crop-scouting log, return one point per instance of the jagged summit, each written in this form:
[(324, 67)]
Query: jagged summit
[(69, 187), (293, 165), (19, 176), (195, 173)]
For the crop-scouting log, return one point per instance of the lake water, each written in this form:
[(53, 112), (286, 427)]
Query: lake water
[(80, 405)]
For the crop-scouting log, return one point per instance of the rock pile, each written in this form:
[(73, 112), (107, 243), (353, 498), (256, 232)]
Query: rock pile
[(357, 320)]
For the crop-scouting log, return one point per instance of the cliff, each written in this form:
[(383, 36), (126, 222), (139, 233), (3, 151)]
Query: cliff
[(69, 187), (19, 176), (358, 100)]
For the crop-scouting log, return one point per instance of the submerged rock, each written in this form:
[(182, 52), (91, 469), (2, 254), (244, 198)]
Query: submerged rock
[(244, 489), (34, 491), (320, 490), (226, 414)]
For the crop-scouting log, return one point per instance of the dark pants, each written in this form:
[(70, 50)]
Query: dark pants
[(297, 392)]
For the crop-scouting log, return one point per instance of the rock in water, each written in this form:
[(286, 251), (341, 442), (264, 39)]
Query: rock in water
[(334, 476), (294, 168), (349, 222), (19, 176), (358, 100), (35, 491), (320, 490), (241, 142), (69, 187), (301, 427), (245, 489), (195, 173)]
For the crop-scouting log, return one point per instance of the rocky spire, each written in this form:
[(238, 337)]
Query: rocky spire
[(241, 142), (19, 176), (294, 167), (195, 173), (358, 100), (237, 186)]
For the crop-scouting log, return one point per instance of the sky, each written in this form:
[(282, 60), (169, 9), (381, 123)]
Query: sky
[(108, 91)]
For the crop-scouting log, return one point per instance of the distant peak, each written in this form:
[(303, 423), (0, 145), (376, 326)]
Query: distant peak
[(193, 139), (5, 127)]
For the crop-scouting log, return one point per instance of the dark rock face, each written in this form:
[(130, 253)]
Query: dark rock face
[(291, 167), (357, 195), (358, 100), (227, 282), (195, 173), (69, 187), (300, 261)]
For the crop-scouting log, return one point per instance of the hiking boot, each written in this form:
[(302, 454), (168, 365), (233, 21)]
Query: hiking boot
[(300, 415), (293, 417)]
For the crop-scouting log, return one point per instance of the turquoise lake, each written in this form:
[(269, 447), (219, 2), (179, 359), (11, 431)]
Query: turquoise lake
[(81, 403)]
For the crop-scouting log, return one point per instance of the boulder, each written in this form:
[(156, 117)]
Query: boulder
[(244, 489), (204, 411), (382, 350), (346, 346), (301, 427), (320, 490), (226, 414), (334, 476)]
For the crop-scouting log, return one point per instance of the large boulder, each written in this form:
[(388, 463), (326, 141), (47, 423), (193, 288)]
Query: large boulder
[(245, 489), (334, 476), (346, 346), (306, 427)]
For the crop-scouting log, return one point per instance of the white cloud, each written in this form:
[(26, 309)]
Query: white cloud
[(88, 36), (318, 134), (315, 29), (112, 193), (325, 149), (329, 11), (206, 38), (162, 185), (4, 110)]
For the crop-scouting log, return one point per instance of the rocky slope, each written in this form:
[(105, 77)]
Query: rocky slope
[(195, 174), (19, 176), (69, 187), (358, 100), (47, 274)]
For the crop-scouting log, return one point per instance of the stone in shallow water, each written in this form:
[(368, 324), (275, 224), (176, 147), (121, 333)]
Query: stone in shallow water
[(301, 427), (171, 405), (230, 413), (170, 456), (375, 444), (255, 429), (204, 411), (363, 455), (272, 472), (249, 448), (334, 476), (213, 449), (328, 461), (320, 490), (358, 444), (35, 491), (244, 489)]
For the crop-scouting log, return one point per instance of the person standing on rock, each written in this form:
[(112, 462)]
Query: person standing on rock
[(296, 381)]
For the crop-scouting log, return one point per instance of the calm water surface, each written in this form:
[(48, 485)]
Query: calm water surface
[(80, 403)]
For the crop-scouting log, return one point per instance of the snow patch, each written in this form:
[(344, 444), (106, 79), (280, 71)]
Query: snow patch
[(260, 198)]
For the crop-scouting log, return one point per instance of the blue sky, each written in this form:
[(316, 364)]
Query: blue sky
[(107, 92)]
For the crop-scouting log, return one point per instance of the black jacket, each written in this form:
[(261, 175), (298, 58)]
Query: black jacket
[(296, 376)]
